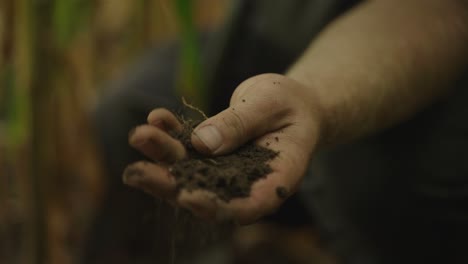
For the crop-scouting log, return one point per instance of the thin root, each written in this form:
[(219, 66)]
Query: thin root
[(193, 108), (213, 161)]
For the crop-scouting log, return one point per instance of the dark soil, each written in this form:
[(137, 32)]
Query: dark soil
[(229, 176)]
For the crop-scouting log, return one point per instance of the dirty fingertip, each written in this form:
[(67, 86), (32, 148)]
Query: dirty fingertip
[(132, 175)]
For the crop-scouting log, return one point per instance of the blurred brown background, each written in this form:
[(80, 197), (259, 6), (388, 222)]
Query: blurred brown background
[(54, 57)]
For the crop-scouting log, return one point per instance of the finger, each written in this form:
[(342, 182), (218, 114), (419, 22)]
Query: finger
[(151, 178), (252, 115), (201, 203), (156, 144), (164, 119)]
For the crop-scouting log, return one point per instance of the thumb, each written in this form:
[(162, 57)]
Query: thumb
[(244, 120)]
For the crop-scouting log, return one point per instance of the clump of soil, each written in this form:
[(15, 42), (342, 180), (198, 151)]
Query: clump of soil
[(229, 176)]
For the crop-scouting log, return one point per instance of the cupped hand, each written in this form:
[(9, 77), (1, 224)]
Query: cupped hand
[(274, 110)]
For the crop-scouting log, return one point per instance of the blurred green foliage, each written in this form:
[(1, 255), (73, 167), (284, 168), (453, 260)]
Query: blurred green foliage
[(69, 17), (191, 79)]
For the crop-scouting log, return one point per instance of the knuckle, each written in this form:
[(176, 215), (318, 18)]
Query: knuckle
[(235, 124), (254, 82)]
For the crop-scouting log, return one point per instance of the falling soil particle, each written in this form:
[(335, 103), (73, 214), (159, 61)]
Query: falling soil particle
[(228, 176)]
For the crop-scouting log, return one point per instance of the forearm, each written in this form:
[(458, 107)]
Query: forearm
[(383, 62)]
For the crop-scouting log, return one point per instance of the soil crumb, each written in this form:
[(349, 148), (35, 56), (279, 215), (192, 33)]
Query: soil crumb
[(229, 176), (282, 192)]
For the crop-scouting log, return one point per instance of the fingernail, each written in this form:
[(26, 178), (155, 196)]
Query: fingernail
[(132, 175), (210, 136)]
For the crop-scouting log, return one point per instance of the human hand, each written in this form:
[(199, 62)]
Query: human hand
[(274, 110)]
